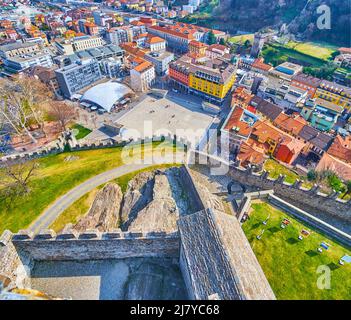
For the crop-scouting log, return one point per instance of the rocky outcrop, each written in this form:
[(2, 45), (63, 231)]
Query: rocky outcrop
[(104, 212), (153, 201), (160, 212), (138, 195)]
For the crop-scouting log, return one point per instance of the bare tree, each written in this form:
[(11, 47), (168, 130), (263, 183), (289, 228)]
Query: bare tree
[(61, 112), (22, 102), (16, 177)]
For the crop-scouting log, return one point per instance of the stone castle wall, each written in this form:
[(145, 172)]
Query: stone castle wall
[(23, 248), (59, 146), (312, 199)]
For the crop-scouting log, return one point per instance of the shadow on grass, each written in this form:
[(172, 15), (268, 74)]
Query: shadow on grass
[(274, 229), (311, 253), (256, 225), (292, 241), (333, 266)]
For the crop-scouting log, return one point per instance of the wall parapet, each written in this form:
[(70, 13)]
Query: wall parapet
[(296, 193)]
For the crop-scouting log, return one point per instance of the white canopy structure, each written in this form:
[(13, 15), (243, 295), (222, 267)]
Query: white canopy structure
[(105, 95)]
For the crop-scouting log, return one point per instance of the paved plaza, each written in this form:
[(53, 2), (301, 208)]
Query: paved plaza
[(172, 114)]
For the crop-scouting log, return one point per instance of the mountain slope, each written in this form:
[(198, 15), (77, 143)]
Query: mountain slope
[(300, 15)]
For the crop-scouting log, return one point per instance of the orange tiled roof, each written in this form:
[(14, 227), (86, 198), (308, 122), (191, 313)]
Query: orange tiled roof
[(143, 66), (241, 96), (250, 154), (345, 50), (266, 131), (235, 121), (197, 44), (152, 40), (290, 124), (137, 23), (259, 64), (341, 148), (176, 33)]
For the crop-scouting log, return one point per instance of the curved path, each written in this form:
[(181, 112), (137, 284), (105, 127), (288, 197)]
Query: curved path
[(62, 203)]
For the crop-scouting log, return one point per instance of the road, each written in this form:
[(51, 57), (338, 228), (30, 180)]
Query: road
[(62, 203)]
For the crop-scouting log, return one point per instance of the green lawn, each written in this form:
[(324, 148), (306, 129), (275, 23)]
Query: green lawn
[(275, 169), (242, 38), (277, 54), (55, 177), (82, 205), (289, 264), (81, 132), (320, 51)]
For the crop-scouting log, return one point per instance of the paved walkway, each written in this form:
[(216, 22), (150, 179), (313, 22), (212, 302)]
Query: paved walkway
[(61, 204)]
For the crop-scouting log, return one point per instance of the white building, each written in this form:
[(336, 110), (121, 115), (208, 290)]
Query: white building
[(156, 44), (142, 76), (111, 67)]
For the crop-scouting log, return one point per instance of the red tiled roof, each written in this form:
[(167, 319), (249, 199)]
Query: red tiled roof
[(173, 32)]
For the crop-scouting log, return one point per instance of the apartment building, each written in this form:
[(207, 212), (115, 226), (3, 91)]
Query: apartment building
[(335, 93), (20, 56), (77, 76), (142, 76), (306, 82), (18, 48), (120, 35), (212, 80), (69, 46), (25, 61), (160, 60), (155, 44)]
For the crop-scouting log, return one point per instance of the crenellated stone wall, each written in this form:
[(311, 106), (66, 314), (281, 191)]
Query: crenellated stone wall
[(306, 198), (67, 139), (22, 249)]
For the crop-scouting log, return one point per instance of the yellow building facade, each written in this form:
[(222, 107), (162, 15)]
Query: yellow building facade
[(343, 99), (218, 90)]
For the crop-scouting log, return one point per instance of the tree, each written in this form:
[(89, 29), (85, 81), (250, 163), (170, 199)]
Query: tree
[(61, 112), (222, 42), (211, 38), (312, 175), (348, 189), (22, 103), (16, 177)]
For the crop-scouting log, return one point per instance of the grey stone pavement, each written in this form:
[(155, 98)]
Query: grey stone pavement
[(62, 203)]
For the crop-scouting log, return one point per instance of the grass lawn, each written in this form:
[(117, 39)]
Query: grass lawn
[(82, 205), (289, 264), (55, 177), (242, 38), (275, 169), (276, 54), (82, 132), (320, 51)]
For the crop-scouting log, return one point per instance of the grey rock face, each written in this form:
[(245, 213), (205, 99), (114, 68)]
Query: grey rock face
[(104, 212), (160, 212)]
